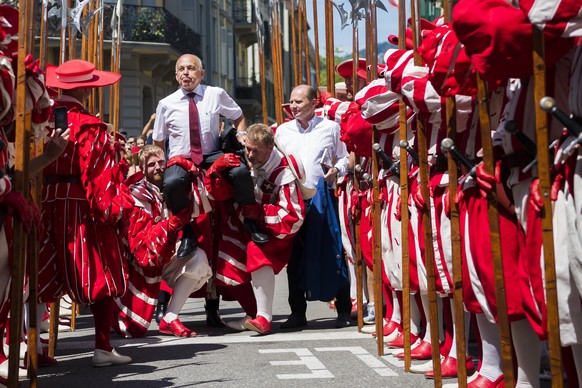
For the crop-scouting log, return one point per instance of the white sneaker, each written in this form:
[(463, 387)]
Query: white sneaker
[(103, 358), (238, 325), (368, 329), (371, 317)]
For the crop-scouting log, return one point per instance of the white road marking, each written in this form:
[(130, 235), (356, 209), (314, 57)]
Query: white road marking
[(318, 370), (394, 361), (368, 359), (228, 338)]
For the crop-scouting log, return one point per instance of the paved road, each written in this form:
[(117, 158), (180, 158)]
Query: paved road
[(318, 355)]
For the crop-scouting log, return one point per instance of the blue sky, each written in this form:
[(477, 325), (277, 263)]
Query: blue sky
[(387, 23)]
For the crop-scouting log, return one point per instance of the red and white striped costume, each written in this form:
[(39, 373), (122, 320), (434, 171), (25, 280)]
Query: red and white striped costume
[(558, 17), (82, 251), (277, 192), (152, 245)]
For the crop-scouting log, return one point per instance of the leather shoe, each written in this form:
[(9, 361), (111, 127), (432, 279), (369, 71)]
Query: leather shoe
[(294, 321), (421, 352), (343, 320), (103, 358), (389, 328), (187, 246), (484, 382), (256, 235), (259, 238), (160, 311), (175, 328), (449, 368), (259, 325), (399, 342)]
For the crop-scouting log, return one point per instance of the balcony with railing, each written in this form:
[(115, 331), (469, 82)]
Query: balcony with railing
[(245, 26), (143, 24)]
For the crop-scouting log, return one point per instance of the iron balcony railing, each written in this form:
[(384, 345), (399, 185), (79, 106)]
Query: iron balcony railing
[(144, 24)]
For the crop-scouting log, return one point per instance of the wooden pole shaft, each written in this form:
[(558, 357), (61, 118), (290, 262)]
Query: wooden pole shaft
[(539, 76), (316, 45), (306, 44), (404, 221), (377, 247), (21, 185), (296, 68), (300, 41), (404, 218), (371, 53), (426, 219), (488, 161), (459, 314), (54, 327), (329, 50)]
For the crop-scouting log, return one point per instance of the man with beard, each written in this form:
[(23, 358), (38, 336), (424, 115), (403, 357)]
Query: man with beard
[(279, 212), (151, 236)]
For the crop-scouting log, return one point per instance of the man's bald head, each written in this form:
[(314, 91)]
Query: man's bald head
[(189, 72)]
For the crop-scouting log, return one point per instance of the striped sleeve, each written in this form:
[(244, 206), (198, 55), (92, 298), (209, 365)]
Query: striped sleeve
[(284, 218), (151, 243), (100, 175)]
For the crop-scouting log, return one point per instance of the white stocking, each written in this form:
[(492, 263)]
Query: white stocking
[(424, 299), (491, 365), (467, 319), (183, 287), (528, 350), (396, 317), (264, 289)]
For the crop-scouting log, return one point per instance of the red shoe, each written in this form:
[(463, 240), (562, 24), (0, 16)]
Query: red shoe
[(399, 342), (484, 382), (421, 352), (259, 324), (389, 329), (449, 368), (175, 328)]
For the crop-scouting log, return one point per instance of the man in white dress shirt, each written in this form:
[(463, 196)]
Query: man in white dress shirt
[(316, 141), (195, 109)]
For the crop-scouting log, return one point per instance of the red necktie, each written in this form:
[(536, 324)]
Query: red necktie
[(195, 143)]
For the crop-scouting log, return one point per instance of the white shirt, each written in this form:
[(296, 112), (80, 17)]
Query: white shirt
[(172, 118), (319, 142)]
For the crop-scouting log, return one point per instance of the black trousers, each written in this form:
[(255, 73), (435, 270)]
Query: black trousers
[(178, 183), (296, 298)]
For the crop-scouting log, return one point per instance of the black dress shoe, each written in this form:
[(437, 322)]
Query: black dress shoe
[(187, 246), (343, 320), (259, 238), (294, 321), (256, 235), (160, 311)]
